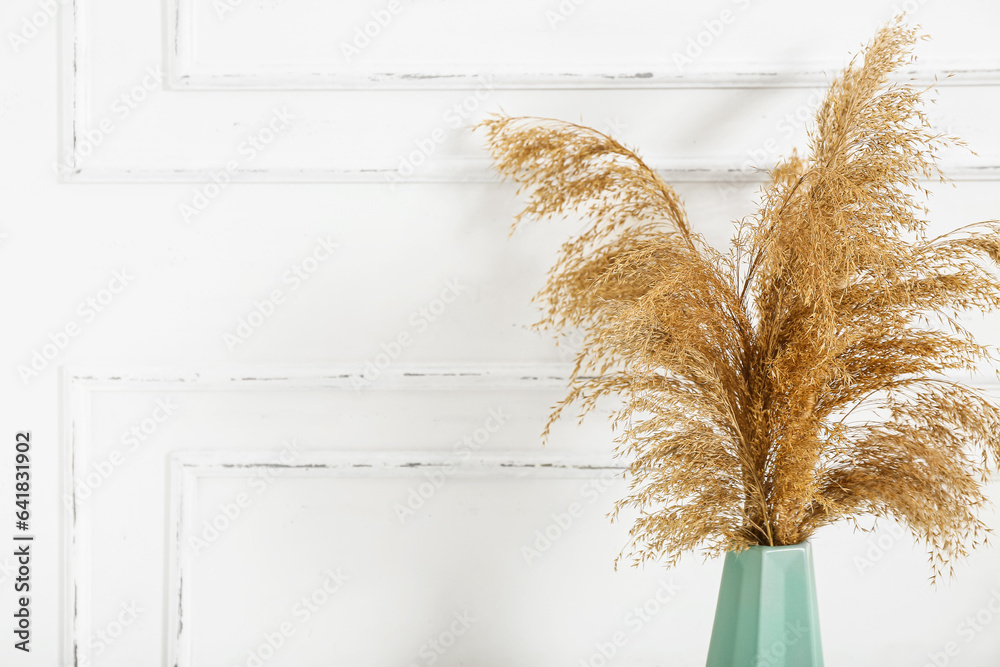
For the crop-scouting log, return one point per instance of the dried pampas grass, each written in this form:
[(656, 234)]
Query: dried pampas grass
[(741, 371)]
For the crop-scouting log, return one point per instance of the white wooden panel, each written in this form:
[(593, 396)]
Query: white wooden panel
[(373, 43), (684, 123), (323, 470), (470, 550), (197, 87), (116, 493)]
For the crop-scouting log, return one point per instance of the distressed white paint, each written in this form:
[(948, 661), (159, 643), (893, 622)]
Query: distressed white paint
[(340, 475), (347, 476), (190, 138), (162, 338), (320, 45)]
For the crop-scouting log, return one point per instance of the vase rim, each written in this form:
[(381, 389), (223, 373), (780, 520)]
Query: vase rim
[(801, 545)]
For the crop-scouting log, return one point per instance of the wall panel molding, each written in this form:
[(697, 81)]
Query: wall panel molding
[(187, 468), (185, 73), (81, 385), (467, 171), (802, 76)]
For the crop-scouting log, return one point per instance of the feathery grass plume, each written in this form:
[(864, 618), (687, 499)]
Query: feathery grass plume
[(740, 371)]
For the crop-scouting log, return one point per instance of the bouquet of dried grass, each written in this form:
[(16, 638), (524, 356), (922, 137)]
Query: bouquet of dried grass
[(740, 372)]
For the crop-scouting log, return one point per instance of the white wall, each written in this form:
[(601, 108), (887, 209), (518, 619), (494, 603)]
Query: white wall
[(187, 425)]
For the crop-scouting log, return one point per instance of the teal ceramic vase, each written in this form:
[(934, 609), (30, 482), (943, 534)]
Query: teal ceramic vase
[(767, 614)]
